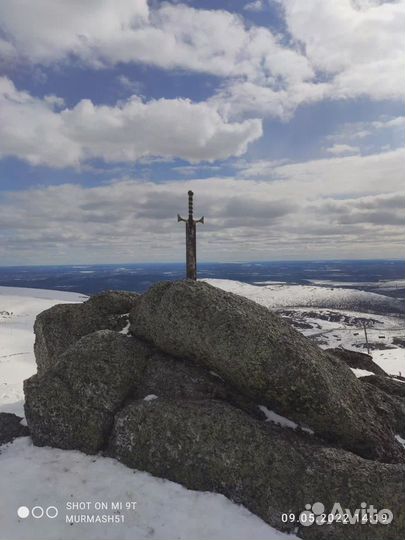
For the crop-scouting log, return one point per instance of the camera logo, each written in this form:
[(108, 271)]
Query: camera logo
[(312, 514), (37, 512)]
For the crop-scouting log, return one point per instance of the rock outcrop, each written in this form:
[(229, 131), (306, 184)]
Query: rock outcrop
[(357, 360), (62, 325), (388, 384), (186, 394), (211, 446), (72, 404), (11, 427), (265, 359)]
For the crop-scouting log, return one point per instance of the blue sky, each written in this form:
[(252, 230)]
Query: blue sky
[(286, 118)]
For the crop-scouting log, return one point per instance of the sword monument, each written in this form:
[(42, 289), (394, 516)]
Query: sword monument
[(191, 243)]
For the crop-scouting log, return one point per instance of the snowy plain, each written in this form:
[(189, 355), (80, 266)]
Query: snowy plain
[(46, 477)]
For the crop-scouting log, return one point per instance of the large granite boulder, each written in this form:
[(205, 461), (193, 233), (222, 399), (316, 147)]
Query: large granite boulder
[(212, 446), (389, 384), (390, 408), (11, 428), (62, 325), (357, 360), (265, 359), (72, 404)]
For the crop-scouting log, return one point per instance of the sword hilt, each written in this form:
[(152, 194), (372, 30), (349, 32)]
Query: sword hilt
[(190, 219), (190, 206)]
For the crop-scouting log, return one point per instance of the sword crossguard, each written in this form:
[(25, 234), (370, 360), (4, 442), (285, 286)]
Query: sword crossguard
[(201, 220)]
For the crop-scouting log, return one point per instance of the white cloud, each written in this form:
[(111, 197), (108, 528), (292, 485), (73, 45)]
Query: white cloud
[(237, 99), (361, 47), (338, 49), (174, 35), (315, 209), (344, 175), (386, 133), (32, 129), (338, 149), (47, 30), (256, 5)]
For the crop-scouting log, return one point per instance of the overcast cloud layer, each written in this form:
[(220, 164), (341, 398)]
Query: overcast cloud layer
[(240, 77)]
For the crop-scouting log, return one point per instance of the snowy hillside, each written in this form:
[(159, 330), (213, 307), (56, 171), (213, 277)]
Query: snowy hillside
[(335, 317), (31, 476), (18, 309)]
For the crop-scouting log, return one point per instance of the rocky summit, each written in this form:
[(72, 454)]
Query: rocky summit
[(202, 387)]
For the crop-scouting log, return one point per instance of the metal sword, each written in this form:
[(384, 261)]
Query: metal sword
[(191, 241)]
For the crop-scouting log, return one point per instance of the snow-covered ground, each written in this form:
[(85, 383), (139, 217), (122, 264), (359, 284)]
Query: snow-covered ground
[(46, 477), (18, 309), (278, 295)]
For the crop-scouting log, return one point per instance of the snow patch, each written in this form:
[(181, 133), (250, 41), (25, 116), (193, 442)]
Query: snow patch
[(400, 440), (125, 330), (272, 416), (150, 397), (391, 360), (361, 372)]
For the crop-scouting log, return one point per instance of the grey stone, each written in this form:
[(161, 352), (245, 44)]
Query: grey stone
[(72, 405), (11, 428), (388, 384), (113, 302), (175, 378), (62, 325), (390, 406), (265, 359), (57, 418), (355, 359), (211, 446)]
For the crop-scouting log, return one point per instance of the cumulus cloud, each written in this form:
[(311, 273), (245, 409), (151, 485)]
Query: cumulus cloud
[(335, 50), (359, 45), (174, 35), (46, 30), (318, 208), (375, 210), (35, 130), (352, 50)]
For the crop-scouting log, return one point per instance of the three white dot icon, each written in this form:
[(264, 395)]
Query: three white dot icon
[(37, 512)]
